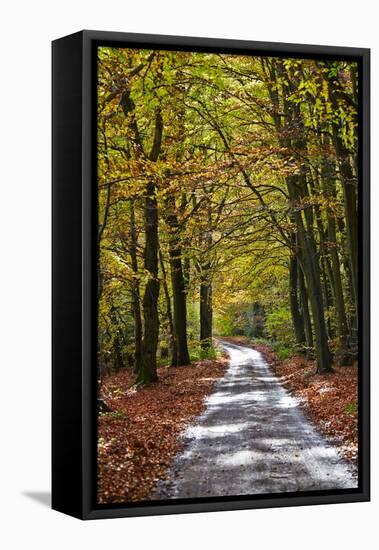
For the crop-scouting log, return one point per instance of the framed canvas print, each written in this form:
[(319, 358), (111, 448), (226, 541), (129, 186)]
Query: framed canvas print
[(210, 274)]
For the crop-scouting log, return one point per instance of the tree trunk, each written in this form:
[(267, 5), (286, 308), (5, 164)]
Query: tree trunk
[(148, 371), (305, 312), (349, 185), (180, 306), (205, 313), (350, 200), (310, 264), (186, 272), (206, 309), (177, 283), (297, 318), (328, 298), (173, 343), (344, 356), (323, 252), (136, 297), (117, 361)]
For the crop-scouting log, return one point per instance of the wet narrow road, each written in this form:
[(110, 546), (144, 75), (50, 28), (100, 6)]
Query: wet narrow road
[(253, 438)]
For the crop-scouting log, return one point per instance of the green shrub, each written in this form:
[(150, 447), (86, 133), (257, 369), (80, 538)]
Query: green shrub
[(282, 351), (199, 354), (209, 353), (279, 327)]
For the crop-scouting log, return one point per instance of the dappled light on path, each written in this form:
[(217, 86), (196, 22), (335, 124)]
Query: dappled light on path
[(253, 438)]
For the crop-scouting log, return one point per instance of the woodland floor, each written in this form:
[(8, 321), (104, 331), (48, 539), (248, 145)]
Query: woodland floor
[(138, 441), (329, 400)]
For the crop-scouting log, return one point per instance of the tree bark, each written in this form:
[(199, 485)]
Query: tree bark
[(297, 318), (349, 185), (350, 200), (177, 283), (206, 308), (180, 306), (173, 344), (187, 272), (118, 362), (305, 312), (310, 264), (206, 313), (328, 179), (148, 371), (136, 297)]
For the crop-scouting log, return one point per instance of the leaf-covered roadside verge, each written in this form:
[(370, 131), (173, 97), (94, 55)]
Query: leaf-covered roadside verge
[(138, 440), (330, 400)]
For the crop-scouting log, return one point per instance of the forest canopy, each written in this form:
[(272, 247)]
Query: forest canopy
[(227, 205)]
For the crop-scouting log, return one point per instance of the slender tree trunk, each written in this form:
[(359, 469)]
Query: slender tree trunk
[(148, 371), (305, 312), (206, 313), (173, 344), (186, 272), (312, 274), (102, 225), (352, 315), (136, 311), (180, 306), (136, 297), (118, 362), (177, 283), (344, 356), (323, 253), (350, 199), (297, 318), (206, 308)]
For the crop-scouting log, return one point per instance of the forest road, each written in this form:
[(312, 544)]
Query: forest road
[(252, 438)]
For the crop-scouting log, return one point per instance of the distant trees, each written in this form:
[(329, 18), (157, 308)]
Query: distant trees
[(225, 181)]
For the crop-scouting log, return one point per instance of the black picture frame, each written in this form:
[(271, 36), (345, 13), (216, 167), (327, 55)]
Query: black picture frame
[(74, 274)]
